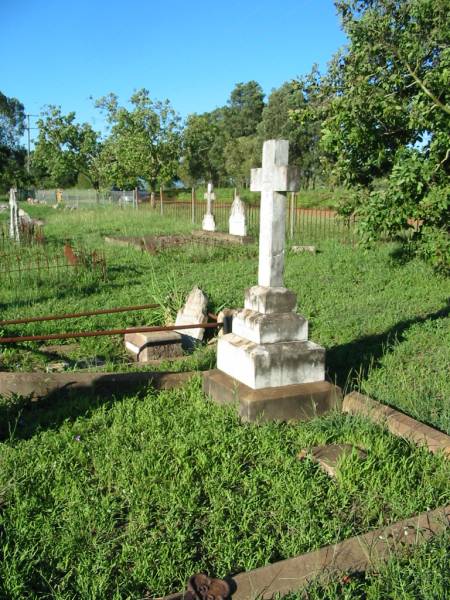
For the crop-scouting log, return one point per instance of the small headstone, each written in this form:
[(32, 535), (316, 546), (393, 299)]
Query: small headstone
[(208, 223), (236, 222), (193, 312), (300, 249), (328, 457), (24, 217)]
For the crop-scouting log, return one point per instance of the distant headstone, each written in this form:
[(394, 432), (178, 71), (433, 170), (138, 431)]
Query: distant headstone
[(14, 233), (208, 223), (236, 222), (194, 311)]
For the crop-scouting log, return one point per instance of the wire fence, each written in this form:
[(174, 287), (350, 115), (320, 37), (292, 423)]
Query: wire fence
[(303, 225)]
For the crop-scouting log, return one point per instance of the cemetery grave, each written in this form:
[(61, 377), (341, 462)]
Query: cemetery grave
[(148, 488)]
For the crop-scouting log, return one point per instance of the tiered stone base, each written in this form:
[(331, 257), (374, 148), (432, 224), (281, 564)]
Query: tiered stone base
[(208, 223), (300, 402)]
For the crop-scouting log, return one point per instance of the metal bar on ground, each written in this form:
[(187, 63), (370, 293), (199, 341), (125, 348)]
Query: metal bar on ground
[(81, 334), (87, 313)]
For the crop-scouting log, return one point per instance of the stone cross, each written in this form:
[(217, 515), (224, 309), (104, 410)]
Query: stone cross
[(209, 197), (208, 223), (13, 216), (273, 180)]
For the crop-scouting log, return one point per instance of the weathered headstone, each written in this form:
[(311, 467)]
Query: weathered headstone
[(208, 223), (236, 222), (193, 312), (156, 345), (14, 232), (269, 347)]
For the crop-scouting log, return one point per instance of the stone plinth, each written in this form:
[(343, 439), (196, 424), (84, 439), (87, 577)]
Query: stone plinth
[(300, 402), (155, 345), (270, 328), (270, 365)]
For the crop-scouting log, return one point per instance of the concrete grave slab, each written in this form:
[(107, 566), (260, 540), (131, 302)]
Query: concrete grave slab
[(145, 347), (329, 456)]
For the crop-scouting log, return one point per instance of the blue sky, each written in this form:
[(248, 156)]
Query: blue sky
[(191, 52)]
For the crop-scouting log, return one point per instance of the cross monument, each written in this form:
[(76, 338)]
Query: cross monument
[(208, 223)]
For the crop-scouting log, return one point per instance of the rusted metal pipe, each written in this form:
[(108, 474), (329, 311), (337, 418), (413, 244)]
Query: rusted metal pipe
[(86, 313), (81, 334)]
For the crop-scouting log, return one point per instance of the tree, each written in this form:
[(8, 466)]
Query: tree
[(303, 136), (244, 109), (144, 142), (241, 155), (388, 114), (12, 155), (203, 148), (64, 149)]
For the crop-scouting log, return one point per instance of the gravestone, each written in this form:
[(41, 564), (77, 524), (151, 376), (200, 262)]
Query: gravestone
[(158, 345), (236, 222), (208, 223), (267, 361), (194, 311), (14, 232)]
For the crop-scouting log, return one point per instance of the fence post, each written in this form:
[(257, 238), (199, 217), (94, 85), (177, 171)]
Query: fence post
[(135, 198), (193, 204), (291, 219), (161, 199)]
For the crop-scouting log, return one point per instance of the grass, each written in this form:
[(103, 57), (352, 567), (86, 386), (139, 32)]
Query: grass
[(127, 496)]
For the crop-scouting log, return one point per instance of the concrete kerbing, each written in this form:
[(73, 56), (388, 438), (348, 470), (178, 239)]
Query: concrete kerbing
[(397, 422), (359, 553), (41, 385)]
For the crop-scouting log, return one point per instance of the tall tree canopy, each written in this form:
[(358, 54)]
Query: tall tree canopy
[(384, 106), (64, 149), (244, 110), (144, 142), (12, 155)]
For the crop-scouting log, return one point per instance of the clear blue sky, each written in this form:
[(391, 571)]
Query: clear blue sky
[(192, 52)]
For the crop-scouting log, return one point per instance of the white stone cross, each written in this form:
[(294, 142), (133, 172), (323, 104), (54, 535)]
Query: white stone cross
[(209, 197), (273, 181)]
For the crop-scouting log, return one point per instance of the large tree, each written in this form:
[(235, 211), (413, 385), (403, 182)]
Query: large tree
[(276, 122), (386, 115), (12, 155), (143, 144), (244, 109), (64, 150), (241, 155), (203, 148)]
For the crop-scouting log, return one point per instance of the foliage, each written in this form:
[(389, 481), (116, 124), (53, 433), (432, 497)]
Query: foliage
[(386, 111), (241, 154), (12, 156), (244, 109), (64, 150), (144, 142), (203, 148), (291, 98)]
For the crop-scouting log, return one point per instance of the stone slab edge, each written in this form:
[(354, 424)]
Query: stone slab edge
[(41, 385), (397, 422), (222, 236), (359, 553)]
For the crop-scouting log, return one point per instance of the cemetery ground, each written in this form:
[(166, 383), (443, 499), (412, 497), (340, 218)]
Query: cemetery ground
[(127, 496)]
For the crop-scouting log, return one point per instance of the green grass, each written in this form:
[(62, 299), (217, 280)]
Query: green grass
[(125, 496)]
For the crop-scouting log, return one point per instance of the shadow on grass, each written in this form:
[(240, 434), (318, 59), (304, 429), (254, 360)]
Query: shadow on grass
[(350, 362)]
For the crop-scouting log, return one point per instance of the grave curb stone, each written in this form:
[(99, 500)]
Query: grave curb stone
[(397, 422)]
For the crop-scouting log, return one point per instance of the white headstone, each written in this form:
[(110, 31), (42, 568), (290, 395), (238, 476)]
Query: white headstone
[(14, 216), (208, 223), (273, 180), (236, 222), (194, 311)]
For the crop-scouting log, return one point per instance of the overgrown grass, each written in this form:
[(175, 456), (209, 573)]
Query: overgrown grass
[(120, 497)]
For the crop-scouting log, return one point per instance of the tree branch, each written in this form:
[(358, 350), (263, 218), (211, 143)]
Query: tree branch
[(428, 92)]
